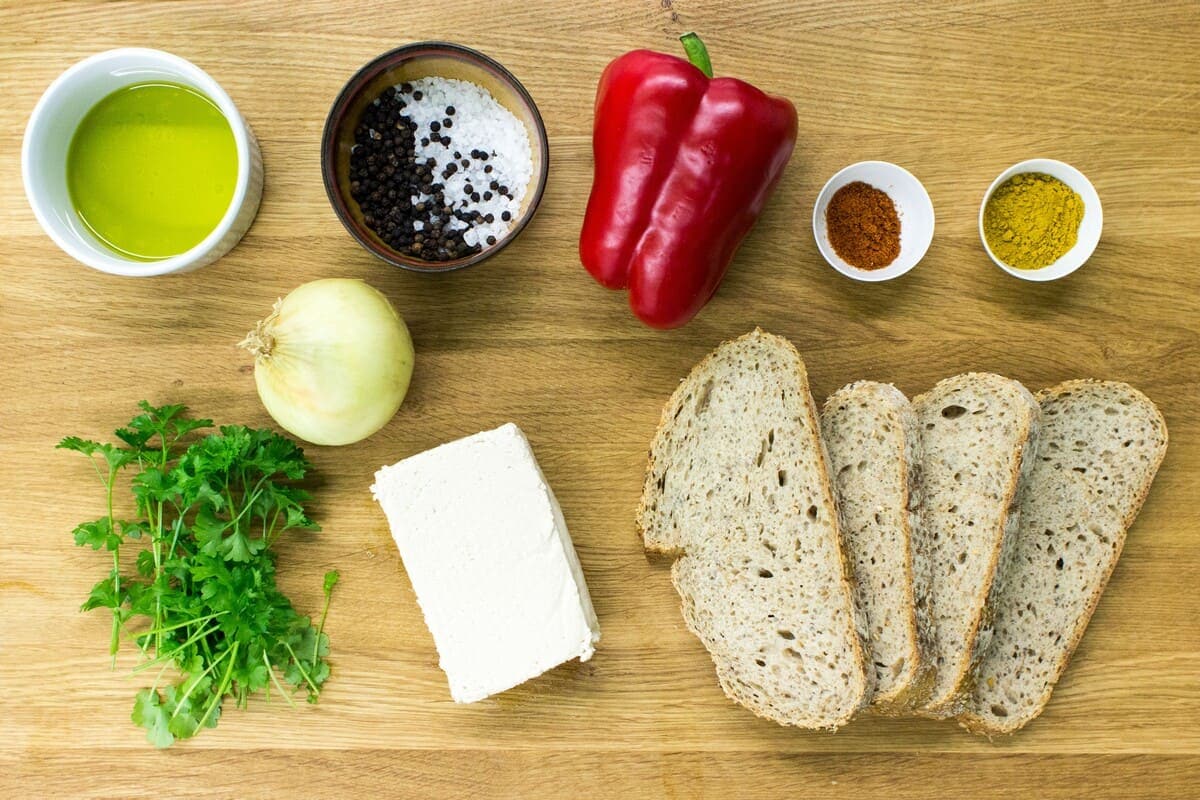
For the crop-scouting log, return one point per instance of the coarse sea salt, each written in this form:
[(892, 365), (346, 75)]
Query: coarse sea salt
[(479, 124)]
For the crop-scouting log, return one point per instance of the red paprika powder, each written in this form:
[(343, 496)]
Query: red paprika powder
[(863, 226)]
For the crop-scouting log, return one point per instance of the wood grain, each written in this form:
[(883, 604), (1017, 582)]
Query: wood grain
[(954, 91)]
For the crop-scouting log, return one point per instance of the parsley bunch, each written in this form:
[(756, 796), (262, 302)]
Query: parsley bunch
[(203, 597)]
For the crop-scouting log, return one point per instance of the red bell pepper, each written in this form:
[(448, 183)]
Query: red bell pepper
[(684, 165)]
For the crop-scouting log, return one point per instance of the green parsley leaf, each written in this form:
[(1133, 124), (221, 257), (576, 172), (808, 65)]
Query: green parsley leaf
[(104, 594), (149, 712), (331, 579), (85, 446), (97, 534)]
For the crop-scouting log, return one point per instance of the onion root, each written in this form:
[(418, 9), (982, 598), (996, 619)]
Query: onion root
[(261, 341)]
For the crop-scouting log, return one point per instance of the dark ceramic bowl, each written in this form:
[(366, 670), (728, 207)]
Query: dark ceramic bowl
[(422, 60)]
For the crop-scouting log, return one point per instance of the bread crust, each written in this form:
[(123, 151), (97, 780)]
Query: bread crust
[(918, 673), (982, 725), (670, 411), (926, 670), (952, 704)]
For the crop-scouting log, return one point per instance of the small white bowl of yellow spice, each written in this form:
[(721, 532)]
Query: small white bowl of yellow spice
[(1040, 220)]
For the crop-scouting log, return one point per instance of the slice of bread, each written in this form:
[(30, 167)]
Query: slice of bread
[(737, 484), (978, 434), (1100, 449), (874, 446)]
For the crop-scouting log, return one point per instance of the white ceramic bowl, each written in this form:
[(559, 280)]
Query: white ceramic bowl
[(48, 137), (1089, 227), (912, 204)]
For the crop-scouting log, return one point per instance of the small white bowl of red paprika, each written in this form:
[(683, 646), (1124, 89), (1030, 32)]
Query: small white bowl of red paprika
[(873, 221)]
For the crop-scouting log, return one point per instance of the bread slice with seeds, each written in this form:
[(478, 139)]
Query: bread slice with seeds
[(874, 445), (737, 484), (978, 434), (1101, 446)]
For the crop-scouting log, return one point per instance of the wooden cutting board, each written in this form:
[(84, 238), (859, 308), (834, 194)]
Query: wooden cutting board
[(955, 92)]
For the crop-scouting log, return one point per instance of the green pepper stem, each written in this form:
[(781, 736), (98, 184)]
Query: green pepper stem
[(697, 53)]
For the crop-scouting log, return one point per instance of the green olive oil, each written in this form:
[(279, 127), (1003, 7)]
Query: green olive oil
[(151, 170)]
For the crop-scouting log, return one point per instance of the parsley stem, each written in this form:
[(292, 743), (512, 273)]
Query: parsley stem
[(156, 547), (186, 623), (275, 680), (158, 677), (178, 526), (168, 656), (196, 681), (270, 532), (300, 666), (216, 701), (331, 579), (115, 641), (248, 500)]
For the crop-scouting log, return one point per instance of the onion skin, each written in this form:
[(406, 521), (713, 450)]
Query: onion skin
[(332, 362)]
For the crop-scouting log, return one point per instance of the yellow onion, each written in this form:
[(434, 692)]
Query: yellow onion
[(332, 361)]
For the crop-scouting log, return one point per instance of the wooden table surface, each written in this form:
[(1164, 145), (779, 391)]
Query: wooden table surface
[(955, 92)]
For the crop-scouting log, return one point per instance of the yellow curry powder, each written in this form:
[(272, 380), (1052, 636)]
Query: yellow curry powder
[(1031, 220)]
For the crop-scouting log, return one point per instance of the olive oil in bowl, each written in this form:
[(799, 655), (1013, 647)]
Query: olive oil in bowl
[(151, 170)]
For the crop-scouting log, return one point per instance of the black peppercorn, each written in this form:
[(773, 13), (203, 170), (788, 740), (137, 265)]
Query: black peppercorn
[(385, 177)]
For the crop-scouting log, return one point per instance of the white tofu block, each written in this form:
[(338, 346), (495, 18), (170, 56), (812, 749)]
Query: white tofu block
[(487, 550)]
